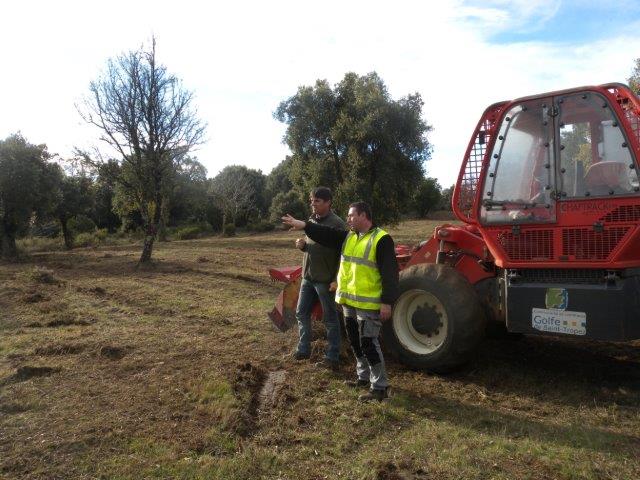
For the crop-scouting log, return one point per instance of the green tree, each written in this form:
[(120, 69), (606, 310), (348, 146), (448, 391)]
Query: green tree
[(28, 188), (188, 199), (287, 202), (427, 196), (358, 141), (634, 79), (75, 198), (103, 193), (147, 116), (446, 196), (278, 181)]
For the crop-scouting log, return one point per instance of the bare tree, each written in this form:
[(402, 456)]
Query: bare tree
[(233, 192), (149, 119)]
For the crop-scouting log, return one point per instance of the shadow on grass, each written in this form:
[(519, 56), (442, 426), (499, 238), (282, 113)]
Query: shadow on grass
[(484, 420)]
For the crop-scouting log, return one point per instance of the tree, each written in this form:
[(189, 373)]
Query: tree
[(278, 181), (103, 193), (427, 196), (446, 196), (358, 141), (76, 198), (28, 188), (188, 200), (147, 116), (236, 191), (289, 202), (634, 79)]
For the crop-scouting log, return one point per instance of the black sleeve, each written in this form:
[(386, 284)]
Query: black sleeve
[(388, 267), (324, 235)]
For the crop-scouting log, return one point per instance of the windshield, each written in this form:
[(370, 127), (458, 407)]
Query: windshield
[(520, 179)]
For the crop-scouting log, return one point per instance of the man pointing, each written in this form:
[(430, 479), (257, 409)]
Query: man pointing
[(367, 289)]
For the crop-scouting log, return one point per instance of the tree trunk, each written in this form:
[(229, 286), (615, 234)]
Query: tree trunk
[(66, 234), (224, 224), (147, 249), (151, 233), (8, 248)]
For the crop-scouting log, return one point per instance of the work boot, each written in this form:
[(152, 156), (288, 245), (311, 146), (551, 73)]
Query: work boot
[(332, 365), (374, 394), (300, 356), (358, 383)]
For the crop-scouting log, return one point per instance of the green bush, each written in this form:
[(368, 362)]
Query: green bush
[(229, 230), (101, 234), (86, 240), (188, 233), (260, 226), (81, 224)]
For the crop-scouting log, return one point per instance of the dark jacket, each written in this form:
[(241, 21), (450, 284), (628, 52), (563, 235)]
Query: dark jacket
[(385, 256), (320, 263)]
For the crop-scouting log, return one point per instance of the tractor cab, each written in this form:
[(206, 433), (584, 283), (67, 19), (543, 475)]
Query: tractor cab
[(555, 149)]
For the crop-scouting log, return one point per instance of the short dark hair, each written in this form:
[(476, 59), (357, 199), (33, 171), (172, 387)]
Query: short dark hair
[(362, 207), (323, 193)]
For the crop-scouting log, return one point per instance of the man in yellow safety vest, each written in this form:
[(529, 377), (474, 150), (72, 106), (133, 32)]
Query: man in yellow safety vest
[(367, 289)]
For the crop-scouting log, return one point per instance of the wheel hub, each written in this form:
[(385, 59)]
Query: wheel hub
[(426, 320)]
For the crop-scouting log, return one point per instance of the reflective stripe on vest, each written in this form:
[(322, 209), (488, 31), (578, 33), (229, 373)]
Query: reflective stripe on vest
[(359, 281)]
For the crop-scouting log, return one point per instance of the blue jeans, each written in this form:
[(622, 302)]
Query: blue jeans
[(309, 292)]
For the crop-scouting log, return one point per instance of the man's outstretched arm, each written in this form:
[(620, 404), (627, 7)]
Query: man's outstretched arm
[(322, 234)]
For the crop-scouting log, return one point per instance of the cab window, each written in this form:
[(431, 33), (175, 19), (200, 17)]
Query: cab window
[(595, 159), (519, 183)]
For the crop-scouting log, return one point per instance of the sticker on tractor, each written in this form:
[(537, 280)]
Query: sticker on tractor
[(559, 321), (557, 298)]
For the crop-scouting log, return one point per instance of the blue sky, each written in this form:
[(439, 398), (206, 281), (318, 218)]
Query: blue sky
[(242, 58), (573, 22)]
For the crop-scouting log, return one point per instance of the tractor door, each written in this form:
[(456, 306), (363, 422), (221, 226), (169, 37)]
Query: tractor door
[(597, 177), (520, 181), (595, 159)]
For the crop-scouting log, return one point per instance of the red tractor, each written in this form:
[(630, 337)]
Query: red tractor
[(550, 199)]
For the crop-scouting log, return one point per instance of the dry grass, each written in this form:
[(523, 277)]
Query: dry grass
[(173, 371)]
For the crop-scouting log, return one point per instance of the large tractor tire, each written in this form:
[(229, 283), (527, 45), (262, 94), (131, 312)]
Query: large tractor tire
[(437, 321)]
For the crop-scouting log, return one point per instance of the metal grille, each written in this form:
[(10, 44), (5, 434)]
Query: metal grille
[(474, 161), (581, 276), (532, 245), (587, 244), (624, 213)]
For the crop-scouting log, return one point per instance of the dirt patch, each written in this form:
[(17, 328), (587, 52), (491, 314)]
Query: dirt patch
[(391, 471), (59, 349), (12, 408), (247, 385), (113, 353), (203, 260), (26, 372), (34, 298), (63, 322), (272, 391)]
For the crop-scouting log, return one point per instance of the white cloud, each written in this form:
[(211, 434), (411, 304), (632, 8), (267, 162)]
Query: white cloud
[(243, 58)]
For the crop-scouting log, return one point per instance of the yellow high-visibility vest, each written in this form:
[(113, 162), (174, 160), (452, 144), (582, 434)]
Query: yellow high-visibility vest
[(359, 281)]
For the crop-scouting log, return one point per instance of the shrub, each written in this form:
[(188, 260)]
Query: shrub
[(86, 240), (40, 275), (229, 230), (101, 234), (188, 233), (260, 226)]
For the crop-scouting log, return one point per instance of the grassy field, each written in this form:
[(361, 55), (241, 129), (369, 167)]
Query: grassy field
[(174, 371)]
